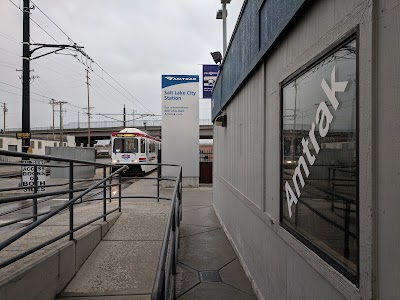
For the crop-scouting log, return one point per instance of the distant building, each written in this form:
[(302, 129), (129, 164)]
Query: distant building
[(38, 144), (306, 162)]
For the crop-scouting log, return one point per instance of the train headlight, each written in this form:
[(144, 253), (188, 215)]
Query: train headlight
[(114, 161), (135, 161)]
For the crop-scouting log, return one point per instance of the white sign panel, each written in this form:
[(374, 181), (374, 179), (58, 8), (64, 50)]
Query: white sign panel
[(28, 175), (180, 124)]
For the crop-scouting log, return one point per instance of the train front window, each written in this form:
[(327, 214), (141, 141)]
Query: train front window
[(122, 145)]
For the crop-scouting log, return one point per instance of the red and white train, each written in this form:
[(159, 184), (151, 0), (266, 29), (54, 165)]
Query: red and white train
[(134, 148)]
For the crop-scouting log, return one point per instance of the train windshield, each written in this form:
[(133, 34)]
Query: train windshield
[(125, 145)]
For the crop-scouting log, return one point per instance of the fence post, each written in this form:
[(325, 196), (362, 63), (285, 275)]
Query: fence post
[(35, 190), (119, 191), (104, 194), (71, 206), (110, 189), (158, 174)]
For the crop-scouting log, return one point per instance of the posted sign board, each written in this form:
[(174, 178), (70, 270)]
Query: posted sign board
[(28, 175), (180, 123), (210, 73)]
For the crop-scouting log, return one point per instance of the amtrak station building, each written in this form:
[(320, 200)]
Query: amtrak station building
[(306, 112)]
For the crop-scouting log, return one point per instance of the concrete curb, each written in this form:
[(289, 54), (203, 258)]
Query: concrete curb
[(47, 276)]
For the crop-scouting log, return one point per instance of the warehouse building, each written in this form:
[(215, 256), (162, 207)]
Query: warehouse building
[(306, 175)]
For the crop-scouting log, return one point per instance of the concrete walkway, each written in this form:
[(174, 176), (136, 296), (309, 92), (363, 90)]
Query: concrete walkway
[(208, 266), (123, 265)]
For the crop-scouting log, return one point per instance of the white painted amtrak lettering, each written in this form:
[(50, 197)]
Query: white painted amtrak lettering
[(323, 118)]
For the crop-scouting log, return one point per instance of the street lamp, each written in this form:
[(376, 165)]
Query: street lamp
[(222, 14)]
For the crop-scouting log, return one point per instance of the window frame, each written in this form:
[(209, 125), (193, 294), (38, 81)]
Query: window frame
[(328, 258)]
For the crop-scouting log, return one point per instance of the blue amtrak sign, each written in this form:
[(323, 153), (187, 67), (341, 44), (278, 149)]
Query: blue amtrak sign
[(169, 80)]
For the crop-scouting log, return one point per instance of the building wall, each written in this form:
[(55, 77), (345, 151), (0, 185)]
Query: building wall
[(386, 147), (9, 140), (247, 157)]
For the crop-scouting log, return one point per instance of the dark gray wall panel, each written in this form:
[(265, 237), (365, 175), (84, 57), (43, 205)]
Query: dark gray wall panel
[(250, 43)]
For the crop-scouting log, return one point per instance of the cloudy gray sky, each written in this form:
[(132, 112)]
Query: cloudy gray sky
[(135, 41)]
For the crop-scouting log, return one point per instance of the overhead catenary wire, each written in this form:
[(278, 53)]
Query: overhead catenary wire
[(103, 70), (136, 101)]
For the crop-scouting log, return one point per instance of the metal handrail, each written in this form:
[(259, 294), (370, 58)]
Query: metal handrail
[(164, 282), (101, 183)]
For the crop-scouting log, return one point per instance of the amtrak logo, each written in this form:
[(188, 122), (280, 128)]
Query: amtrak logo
[(180, 78)]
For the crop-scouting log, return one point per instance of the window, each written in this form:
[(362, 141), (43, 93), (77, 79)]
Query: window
[(33, 144), (152, 147), (1, 143), (39, 145), (319, 177), (142, 146), (125, 145)]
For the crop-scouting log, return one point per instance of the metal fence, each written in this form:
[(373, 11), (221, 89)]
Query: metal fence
[(164, 283)]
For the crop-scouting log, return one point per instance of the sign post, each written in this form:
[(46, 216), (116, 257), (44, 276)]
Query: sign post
[(180, 127)]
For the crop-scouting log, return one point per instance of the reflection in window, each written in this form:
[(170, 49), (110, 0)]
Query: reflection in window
[(125, 145), (319, 174)]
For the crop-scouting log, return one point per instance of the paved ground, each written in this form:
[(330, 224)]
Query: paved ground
[(124, 264), (208, 266)]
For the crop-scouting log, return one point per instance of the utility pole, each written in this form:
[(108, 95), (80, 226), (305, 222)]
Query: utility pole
[(133, 118), (52, 103), (88, 105), (78, 120), (124, 122), (26, 56), (4, 112), (61, 123), (224, 15)]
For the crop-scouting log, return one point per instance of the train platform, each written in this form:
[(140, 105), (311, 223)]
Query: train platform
[(124, 260)]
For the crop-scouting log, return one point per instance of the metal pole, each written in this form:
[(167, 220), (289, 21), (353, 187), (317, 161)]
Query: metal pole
[(110, 189), (124, 123), (105, 194), (224, 15), (4, 112), (35, 190), (71, 195), (52, 104), (26, 122), (158, 174), (119, 191), (88, 105), (61, 130)]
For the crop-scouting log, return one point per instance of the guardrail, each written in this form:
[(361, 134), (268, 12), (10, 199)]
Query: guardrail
[(164, 283), (102, 184)]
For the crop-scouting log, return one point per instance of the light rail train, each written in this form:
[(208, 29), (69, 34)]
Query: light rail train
[(134, 148)]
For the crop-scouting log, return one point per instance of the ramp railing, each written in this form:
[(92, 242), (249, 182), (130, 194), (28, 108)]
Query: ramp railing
[(39, 164), (164, 283)]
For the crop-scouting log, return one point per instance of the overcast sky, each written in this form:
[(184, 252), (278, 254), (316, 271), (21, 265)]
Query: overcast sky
[(135, 41)]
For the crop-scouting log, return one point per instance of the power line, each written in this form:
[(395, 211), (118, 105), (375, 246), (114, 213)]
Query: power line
[(87, 58), (70, 39), (51, 21)]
